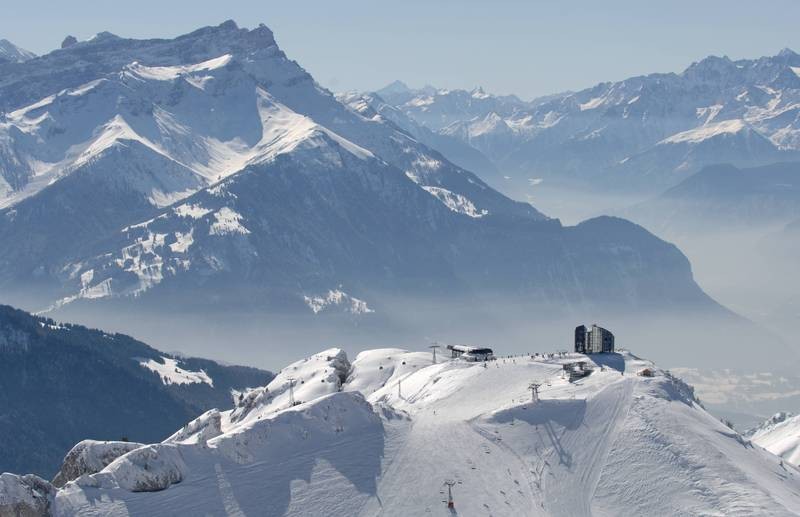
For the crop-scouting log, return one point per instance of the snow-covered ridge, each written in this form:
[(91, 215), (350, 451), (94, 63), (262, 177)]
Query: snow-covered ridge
[(212, 136), (456, 202), (168, 73), (383, 434), (14, 54), (780, 435), (702, 133), (712, 98), (336, 298)]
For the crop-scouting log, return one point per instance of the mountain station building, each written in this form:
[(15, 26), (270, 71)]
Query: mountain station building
[(595, 341), (471, 353)]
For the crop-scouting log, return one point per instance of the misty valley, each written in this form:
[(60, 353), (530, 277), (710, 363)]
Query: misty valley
[(229, 290)]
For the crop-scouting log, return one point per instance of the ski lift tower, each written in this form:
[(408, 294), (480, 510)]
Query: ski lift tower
[(399, 392), (433, 347), (450, 483), (534, 387)]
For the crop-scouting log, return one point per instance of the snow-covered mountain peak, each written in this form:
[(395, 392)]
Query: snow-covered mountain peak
[(769, 424), (479, 93), (383, 433), (14, 54), (302, 381), (604, 128), (711, 64), (396, 87), (211, 117)]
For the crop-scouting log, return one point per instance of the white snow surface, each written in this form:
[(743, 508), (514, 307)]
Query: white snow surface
[(171, 373), (336, 298), (707, 131), (381, 435), (227, 221), (456, 202), (781, 436), (208, 135)]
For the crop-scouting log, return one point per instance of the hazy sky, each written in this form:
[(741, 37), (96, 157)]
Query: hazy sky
[(526, 47)]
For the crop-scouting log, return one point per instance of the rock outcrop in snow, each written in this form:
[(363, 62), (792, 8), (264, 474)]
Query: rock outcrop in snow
[(25, 496), (89, 457), (381, 435)]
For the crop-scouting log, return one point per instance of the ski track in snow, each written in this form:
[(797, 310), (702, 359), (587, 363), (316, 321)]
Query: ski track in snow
[(610, 442)]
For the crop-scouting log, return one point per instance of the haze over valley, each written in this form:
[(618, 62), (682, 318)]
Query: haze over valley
[(205, 196)]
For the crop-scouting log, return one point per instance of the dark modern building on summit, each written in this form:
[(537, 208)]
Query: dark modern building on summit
[(595, 341)]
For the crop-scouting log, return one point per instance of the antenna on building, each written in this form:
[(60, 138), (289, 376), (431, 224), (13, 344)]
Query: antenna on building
[(534, 387), (291, 391), (433, 347), (450, 483)]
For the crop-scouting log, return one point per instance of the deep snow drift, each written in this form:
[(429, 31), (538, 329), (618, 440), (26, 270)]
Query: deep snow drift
[(380, 436)]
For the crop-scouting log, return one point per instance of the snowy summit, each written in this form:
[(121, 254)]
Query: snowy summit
[(384, 434), (13, 54)]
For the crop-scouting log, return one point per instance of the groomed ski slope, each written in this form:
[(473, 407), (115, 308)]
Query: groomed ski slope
[(613, 443)]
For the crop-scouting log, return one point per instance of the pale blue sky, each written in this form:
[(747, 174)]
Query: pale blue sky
[(514, 46)]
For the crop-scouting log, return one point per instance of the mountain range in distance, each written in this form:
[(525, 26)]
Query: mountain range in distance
[(205, 193), (210, 178), (640, 135)]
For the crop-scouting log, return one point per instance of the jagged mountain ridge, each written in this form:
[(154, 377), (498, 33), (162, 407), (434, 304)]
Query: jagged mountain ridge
[(189, 125), (60, 383), (211, 175), (382, 434), (10, 53), (646, 133)]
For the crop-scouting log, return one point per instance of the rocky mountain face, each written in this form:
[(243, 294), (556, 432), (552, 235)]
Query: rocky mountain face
[(643, 134), (382, 434), (60, 383)]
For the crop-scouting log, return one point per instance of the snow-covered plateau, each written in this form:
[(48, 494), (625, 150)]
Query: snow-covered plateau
[(382, 435)]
